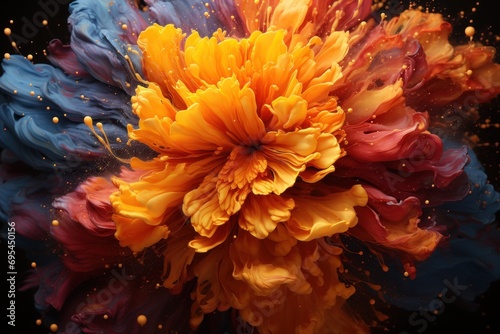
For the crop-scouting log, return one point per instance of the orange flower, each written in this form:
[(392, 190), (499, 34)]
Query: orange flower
[(235, 124), (242, 129)]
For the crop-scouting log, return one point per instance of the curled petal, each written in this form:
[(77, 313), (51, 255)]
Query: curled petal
[(265, 273), (84, 217), (261, 214), (395, 226), (321, 216)]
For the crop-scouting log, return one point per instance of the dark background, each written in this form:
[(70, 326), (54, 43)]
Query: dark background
[(32, 39)]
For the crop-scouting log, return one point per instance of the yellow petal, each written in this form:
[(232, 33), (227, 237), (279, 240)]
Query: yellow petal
[(321, 216), (260, 214)]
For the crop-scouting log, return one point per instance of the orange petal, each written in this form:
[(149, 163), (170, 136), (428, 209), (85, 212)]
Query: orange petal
[(261, 214), (320, 216)]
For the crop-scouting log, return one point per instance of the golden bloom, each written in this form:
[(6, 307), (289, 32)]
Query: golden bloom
[(243, 130), (235, 124)]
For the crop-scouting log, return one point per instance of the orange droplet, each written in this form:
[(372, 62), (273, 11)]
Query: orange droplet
[(141, 320), (53, 328), (470, 31)]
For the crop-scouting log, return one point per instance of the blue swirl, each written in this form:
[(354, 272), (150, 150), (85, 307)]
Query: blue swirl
[(32, 95)]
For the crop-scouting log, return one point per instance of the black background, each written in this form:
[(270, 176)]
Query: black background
[(484, 19)]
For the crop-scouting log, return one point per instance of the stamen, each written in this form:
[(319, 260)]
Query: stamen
[(103, 140), (137, 75)]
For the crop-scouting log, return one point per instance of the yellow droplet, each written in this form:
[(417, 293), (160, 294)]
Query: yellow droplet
[(38, 322), (470, 31), (55, 222), (7, 31), (6, 55), (105, 317), (45, 22), (124, 26), (55, 120), (426, 201), (406, 274), (88, 121), (141, 320), (30, 57), (53, 328), (33, 264)]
